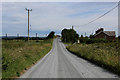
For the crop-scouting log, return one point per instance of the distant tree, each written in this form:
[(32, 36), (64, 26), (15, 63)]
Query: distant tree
[(51, 35), (64, 35), (81, 36), (119, 37), (91, 36), (83, 39), (69, 35)]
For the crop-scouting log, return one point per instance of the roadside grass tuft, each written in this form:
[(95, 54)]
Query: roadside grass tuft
[(18, 56), (106, 55)]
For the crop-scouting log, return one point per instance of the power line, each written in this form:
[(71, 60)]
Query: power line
[(101, 15)]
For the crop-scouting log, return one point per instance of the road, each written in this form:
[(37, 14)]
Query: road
[(59, 63)]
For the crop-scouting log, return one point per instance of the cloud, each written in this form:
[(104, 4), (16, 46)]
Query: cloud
[(0, 18), (56, 16), (60, 0)]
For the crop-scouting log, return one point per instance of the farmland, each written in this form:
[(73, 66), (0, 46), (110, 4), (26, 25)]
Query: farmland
[(106, 55), (18, 55)]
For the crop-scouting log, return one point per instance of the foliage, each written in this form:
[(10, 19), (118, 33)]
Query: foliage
[(106, 55), (91, 36), (18, 56), (81, 36), (51, 35), (119, 37), (91, 40), (24, 38), (83, 39), (69, 35)]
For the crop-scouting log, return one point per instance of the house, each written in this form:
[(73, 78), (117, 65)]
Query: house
[(108, 35)]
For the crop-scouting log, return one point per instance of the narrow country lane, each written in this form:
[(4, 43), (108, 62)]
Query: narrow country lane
[(59, 63)]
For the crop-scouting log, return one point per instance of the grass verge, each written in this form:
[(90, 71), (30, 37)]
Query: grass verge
[(106, 55), (18, 55)]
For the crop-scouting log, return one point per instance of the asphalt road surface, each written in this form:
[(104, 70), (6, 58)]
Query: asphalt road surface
[(59, 63)]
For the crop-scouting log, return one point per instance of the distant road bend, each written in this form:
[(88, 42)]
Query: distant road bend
[(59, 63)]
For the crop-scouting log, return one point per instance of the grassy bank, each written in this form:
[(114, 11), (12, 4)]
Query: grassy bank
[(18, 56), (106, 55)]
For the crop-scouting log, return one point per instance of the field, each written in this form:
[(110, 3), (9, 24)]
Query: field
[(106, 55), (18, 55)]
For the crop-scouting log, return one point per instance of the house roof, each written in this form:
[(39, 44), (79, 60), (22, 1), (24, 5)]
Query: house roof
[(109, 33)]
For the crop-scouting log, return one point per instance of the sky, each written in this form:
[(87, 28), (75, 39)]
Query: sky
[(59, 0), (55, 16)]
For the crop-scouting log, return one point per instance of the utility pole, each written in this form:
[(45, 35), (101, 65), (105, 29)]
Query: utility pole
[(6, 35), (28, 20), (85, 34), (17, 35), (36, 35)]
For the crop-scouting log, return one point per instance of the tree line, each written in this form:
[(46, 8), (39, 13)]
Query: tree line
[(51, 35), (70, 35)]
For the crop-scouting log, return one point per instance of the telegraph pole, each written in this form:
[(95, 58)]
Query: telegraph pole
[(6, 35), (85, 34), (17, 35), (28, 20), (36, 37)]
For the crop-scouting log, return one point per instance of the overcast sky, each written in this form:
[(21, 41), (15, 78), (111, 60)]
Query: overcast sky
[(55, 16)]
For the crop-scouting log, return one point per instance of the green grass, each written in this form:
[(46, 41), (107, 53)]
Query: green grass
[(0, 58), (106, 55), (18, 56)]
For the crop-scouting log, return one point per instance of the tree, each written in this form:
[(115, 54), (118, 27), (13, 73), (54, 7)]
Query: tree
[(81, 36), (91, 36), (69, 35), (51, 35), (83, 39), (118, 37)]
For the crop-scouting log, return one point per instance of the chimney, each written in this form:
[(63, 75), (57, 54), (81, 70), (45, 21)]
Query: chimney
[(99, 30)]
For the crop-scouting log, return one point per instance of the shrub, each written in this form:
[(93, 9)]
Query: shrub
[(106, 55), (90, 41)]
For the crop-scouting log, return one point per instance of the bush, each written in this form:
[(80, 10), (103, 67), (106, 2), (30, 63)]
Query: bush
[(119, 37), (83, 39), (106, 55), (90, 41)]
